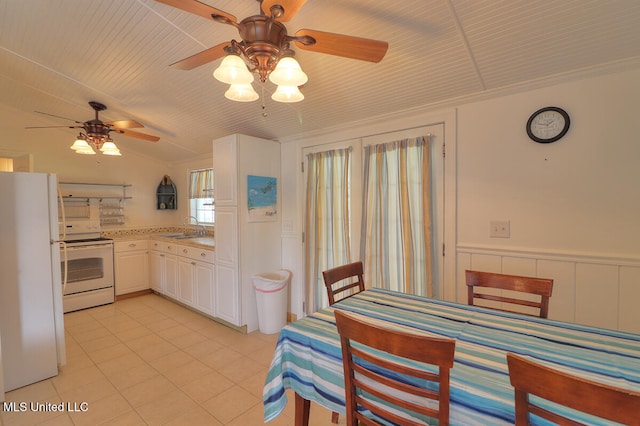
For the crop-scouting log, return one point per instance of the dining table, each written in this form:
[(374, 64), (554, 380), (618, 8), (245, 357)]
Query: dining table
[(308, 358)]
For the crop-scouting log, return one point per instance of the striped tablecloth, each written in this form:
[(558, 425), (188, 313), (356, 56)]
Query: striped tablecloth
[(308, 358)]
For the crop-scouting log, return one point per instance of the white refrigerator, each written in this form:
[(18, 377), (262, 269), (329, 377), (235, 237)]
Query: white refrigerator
[(31, 318)]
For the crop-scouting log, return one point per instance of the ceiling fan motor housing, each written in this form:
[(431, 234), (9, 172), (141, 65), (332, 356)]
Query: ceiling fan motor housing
[(264, 39)]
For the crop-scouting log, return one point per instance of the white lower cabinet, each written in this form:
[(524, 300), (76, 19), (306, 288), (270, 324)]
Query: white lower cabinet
[(184, 273), (164, 268), (131, 266), (226, 302), (185, 281), (156, 271)]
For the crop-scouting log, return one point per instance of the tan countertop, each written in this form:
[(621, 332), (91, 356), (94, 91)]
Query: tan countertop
[(206, 242), (201, 242)]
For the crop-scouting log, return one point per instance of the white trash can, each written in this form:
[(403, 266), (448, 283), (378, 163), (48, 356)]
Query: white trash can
[(271, 300)]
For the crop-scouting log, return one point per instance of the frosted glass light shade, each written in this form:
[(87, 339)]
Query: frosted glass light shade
[(233, 70), (288, 73), (80, 144), (241, 93), (287, 94), (110, 148), (88, 151)]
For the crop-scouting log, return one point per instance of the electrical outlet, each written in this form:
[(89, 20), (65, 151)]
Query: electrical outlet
[(500, 229)]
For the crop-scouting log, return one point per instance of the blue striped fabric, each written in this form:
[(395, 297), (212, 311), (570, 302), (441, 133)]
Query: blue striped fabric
[(308, 357)]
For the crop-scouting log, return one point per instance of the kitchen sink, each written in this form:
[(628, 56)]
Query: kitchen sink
[(181, 236)]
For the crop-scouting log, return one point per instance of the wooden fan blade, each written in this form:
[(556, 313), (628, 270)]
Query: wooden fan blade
[(363, 49), (204, 57), (137, 135), (57, 116), (197, 8), (290, 7), (123, 124), (54, 127)]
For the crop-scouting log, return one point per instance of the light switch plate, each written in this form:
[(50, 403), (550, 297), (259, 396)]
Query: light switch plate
[(500, 229)]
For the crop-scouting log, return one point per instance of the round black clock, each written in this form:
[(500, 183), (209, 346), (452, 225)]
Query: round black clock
[(548, 124)]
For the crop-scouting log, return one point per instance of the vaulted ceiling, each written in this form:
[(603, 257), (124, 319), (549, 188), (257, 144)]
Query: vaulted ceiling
[(55, 56)]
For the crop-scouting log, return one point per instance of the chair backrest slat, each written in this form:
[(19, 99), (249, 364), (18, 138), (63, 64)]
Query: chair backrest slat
[(598, 399), (341, 279), (430, 391), (541, 288)]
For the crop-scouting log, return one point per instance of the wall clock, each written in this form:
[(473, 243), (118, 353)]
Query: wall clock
[(548, 124)]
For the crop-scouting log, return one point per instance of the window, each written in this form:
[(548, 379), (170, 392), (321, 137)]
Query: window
[(201, 198)]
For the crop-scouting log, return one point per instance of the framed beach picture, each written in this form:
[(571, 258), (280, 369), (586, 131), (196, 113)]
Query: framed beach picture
[(262, 198)]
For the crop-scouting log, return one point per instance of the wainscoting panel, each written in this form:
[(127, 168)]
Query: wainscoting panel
[(593, 290), (597, 295), (629, 299)]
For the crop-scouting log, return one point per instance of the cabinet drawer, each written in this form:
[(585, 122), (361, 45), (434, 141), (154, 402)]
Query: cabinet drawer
[(130, 245), (195, 253), (163, 246)]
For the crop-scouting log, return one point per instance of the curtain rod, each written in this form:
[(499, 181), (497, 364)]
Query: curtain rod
[(428, 135)]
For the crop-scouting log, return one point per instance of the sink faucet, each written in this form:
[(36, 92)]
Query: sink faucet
[(201, 232)]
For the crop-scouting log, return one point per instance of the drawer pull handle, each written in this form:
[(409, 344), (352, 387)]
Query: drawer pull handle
[(132, 245), (185, 251), (193, 263), (203, 254)]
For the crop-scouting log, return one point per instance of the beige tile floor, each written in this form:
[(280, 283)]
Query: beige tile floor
[(149, 361)]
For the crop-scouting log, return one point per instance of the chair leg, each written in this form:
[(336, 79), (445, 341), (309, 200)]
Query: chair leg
[(334, 417)]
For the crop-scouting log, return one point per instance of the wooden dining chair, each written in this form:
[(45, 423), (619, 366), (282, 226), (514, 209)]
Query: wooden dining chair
[(598, 399), (363, 380), (540, 288), (343, 281), (340, 284)]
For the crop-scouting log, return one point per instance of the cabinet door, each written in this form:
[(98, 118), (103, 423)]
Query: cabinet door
[(226, 296), (156, 261), (204, 286), (171, 275), (226, 235), (186, 271), (226, 172), (131, 271)]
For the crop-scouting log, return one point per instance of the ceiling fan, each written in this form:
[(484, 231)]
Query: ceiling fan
[(265, 40), (97, 132)]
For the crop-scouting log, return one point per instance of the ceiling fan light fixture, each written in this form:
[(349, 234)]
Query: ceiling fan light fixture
[(241, 93), (109, 148), (233, 70), (80, 144), (288, 73), (87, 151), (287, 94)]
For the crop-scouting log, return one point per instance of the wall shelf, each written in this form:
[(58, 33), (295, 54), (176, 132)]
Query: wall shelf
[(166, 195), (110, 198)]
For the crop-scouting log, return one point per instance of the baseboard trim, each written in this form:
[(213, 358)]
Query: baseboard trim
[(133, 294)]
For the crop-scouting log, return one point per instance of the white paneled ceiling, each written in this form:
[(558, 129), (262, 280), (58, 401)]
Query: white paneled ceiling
[(55, 56)]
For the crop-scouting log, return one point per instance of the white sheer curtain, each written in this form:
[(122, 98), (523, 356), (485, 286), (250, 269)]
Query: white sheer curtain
[(327, 227), (396, 227)]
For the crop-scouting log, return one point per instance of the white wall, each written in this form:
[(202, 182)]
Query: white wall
[(572, 205), (578, 194)]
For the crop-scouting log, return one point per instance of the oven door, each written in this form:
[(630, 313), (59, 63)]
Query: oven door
[(89, 267)]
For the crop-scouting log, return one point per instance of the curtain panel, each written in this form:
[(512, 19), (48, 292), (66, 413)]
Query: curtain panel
[(327, 230), (396, 229), (199, 181)]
